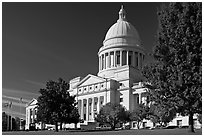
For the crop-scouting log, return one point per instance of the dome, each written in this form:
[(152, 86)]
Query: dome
[(122, 33)]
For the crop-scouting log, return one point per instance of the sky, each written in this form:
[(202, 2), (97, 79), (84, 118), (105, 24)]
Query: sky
[(45, 41)]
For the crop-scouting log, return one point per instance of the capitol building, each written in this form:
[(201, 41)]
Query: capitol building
[(119, 78)]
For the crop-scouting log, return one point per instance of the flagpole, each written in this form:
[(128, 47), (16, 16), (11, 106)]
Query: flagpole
[(11, 115), (8, 117), (20, 113)]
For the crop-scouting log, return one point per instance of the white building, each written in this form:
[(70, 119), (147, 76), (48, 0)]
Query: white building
[(31, 117), (119, 79)]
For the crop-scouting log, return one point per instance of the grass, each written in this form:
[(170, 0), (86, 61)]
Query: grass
[(117, 132)]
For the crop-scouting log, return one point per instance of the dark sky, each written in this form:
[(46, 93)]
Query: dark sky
[(45, 41)]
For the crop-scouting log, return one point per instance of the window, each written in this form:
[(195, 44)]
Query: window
[(84, 89), (101, 85), (130, 58), (148, 100), (137, 99), (84, 105), (117, 57), (90, 88), (79, 90), (144, 124), (84, 116), (96, 86), (134, 124), (101, 102), (179, 123), (121, 99), (95, 103), (136, 58), (124, 56)]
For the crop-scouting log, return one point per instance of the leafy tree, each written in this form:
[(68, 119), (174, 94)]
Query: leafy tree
[(4, 121), (176, 75), (141, 112), (74, 117), (161, 113), (111, 114), (200, 118), (55, 104)]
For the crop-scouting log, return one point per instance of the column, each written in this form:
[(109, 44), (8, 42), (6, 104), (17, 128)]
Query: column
[(140, 98), (141, 60), (82, 109), (104, 61), (134, 60), (138, 60), (92, 109), (98, 104), (127, 57), (121, 57), (100, 62), (87, 110), (114, 58)]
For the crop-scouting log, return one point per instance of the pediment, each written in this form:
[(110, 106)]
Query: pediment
[(90, 79), (32, 102)]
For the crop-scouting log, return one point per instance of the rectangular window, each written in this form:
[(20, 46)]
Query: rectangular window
[(144, 124), (148, 100), (179, 123), (137, 99), (121, 99), (118, 58), (124, 58), (140, 60), (136, 58), (130, 58), (84, 116)]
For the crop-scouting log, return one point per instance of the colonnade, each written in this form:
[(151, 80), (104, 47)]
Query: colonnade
[(89, 108), (116, 58)]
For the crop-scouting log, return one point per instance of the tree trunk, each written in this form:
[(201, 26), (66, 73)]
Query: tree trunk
[(56, 126), (60, 125), (191, 126), (75, 125), (113, 127)]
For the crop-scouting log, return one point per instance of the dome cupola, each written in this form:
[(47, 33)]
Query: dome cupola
[(122, 33), (121, 48)]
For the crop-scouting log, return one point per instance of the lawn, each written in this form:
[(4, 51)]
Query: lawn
[(117, 132)]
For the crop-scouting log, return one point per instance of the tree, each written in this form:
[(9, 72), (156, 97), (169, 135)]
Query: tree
[(141, 112), (111, 114), (55, 104), (161, 113), (176, 75), (200, 118), (4, 121), (74, 117)]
